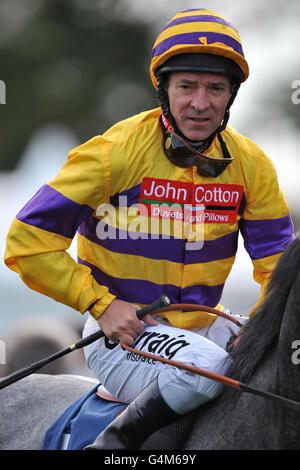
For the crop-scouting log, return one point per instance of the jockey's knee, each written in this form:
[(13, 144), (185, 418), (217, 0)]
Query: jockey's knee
[(184, 391)]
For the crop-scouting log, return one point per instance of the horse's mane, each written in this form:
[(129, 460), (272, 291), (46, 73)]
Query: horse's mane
[(262, 330)]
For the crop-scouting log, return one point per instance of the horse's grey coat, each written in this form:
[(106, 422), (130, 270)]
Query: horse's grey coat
[(236, 420), (30, 406), (263, 359)]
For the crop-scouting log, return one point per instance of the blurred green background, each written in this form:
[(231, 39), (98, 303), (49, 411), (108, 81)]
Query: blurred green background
[(85, 63), (73, 68)]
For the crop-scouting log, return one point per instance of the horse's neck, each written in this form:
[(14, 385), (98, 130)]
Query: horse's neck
[(288, 369)]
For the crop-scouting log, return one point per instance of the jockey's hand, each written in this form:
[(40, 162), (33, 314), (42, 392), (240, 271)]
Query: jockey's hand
[(119, 322), (234, 339)]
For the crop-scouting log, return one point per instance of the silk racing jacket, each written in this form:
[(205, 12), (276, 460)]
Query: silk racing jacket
[(145, 226)]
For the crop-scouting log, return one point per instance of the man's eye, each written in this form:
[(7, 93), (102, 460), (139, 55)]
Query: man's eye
[(186, 88), (217, 88)]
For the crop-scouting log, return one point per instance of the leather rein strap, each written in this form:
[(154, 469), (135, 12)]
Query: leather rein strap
[(201, 308), (227, 381)]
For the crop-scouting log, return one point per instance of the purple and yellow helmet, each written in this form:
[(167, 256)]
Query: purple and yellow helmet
[(192, 39)]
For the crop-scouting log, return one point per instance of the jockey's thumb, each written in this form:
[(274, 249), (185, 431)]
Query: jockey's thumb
[(149, 320)]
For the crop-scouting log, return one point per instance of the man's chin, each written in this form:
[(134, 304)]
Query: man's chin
[(197, 136), (198, 133)]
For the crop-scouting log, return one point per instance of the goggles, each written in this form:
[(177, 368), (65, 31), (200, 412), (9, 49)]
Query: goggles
[(182, 154)]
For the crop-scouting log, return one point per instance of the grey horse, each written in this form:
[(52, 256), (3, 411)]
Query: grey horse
[(29, 407), (263, 358)]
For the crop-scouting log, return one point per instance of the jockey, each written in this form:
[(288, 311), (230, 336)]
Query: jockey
[(196, 182)]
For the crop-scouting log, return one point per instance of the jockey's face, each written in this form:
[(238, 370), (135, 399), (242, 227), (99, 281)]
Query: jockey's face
[(198, 102)]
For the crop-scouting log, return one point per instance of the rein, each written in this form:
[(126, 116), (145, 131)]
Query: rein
[(160, 305), (227, 381), (210, 375), (201, 308)]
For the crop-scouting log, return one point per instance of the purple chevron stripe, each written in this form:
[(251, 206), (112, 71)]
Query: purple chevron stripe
[(264, 238), (171, 249), (202, 295), (213, 250), (193, 38), (132, 196), (121, 241), (52, 211), (145, 292), (133, 290), (200, 19)]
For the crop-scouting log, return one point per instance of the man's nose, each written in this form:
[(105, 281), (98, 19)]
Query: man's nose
[(200, 99)]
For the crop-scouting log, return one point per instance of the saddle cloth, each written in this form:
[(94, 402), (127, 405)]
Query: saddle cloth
[(85, 419)]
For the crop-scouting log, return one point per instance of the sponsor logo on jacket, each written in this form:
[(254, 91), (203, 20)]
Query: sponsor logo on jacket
[(202, 203)]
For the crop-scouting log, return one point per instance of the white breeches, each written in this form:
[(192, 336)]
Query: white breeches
[(125, 375)]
